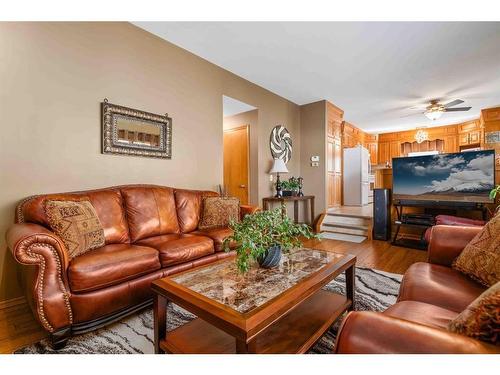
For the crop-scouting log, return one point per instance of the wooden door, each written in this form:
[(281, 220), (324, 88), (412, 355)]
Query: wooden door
[(334, 172), (337, 155), (330, 155), (337, 190), (331, 189), (236, 156)]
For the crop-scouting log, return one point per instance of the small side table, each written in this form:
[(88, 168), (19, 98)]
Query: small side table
[(266, 204)]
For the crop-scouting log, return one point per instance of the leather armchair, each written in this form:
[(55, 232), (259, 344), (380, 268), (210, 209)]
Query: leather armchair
[(374, 333), (431, 294), (448, 241), (449, 220)]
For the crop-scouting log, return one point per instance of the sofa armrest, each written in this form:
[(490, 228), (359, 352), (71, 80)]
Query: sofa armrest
[(455, 220), (46, 258), (447, 242), (375, 333), (247, 210)]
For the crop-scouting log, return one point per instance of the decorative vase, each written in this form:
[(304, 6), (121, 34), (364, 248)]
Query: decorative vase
[(301, 183), (271, 258)]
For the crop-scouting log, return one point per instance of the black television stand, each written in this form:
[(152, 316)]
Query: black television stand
[(426, 220)]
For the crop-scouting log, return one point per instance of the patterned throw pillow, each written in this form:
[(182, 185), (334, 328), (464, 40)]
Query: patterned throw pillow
[(480, 259), (218, 211), (77, 224), (481, 319)]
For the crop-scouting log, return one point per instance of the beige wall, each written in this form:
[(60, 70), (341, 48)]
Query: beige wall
[(53, 77), (313, 143), (249, 118)]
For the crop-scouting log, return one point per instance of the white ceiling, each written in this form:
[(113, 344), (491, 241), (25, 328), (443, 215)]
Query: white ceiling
[(231, 107), (374, 71)]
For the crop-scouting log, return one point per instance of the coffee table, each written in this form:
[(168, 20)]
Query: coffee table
[(280, 310)]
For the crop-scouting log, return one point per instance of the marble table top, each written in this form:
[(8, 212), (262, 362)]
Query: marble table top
[(223, 282)]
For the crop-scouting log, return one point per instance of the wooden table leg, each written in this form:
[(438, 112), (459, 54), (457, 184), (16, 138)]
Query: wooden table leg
[(349, 283), (160, 321), (312, 211), (296, 211), (241, 347), (283, 208)]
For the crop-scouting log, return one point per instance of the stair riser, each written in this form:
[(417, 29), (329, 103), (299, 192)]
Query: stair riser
[(346, 220), (358, 232), (343, 237)]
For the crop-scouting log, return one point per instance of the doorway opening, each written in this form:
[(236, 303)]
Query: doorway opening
[(240, 150)]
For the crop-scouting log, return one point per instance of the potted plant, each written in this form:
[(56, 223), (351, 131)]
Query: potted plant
[(263, 236), (291, 187), (493, 194)]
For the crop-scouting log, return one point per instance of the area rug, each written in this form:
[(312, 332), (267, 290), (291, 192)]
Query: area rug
[(375, 291)]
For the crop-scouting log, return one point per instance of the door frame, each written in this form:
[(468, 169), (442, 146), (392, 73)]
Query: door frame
[(245, 127)]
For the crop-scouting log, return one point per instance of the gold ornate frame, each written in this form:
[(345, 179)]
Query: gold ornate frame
[(112, 144)]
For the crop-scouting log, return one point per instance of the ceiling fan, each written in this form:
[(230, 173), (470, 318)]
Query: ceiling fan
[(435, 109)]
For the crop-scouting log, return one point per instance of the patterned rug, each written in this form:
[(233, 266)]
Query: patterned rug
[(375, 291)]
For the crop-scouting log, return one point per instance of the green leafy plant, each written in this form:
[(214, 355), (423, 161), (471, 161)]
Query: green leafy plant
[(256, 233), (292, 184), (494, 192)]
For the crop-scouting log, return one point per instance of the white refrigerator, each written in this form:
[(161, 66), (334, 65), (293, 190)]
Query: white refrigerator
[(356, 176)]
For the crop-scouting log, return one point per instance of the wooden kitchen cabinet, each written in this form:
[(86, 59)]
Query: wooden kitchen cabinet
[(470, 133), (384, 152), (463, 139), (450, 144), (371, 145), (372, 149), (394, 150), (475, 137)]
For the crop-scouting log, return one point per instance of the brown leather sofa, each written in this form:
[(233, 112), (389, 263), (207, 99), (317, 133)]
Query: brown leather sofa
[(150, 232), (431, 295)]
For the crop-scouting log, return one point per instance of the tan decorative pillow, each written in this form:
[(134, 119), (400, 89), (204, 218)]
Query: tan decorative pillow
[(480, 259), (481, 319), (77, 224), (218, 211)]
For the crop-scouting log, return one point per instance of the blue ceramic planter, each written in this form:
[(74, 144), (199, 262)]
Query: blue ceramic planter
[(271, 257)]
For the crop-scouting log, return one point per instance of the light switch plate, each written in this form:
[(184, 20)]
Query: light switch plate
[(271, 177), (315, 164), (315, 158)]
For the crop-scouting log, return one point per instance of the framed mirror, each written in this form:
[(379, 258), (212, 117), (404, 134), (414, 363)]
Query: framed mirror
[(128, 131)]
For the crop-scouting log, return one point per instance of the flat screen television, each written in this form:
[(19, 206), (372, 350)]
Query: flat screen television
[(457, 177)]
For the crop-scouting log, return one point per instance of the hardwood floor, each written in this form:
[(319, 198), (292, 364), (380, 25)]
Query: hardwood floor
[(380, 255), (18, 327)]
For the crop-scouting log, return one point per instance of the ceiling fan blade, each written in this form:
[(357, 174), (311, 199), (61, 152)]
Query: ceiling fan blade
[(453, 103), (457, 109)]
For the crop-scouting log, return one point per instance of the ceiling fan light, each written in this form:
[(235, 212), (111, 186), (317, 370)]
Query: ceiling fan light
[(433, 115)]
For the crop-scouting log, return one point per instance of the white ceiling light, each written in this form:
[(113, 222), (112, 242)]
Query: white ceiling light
[(433, 114)]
